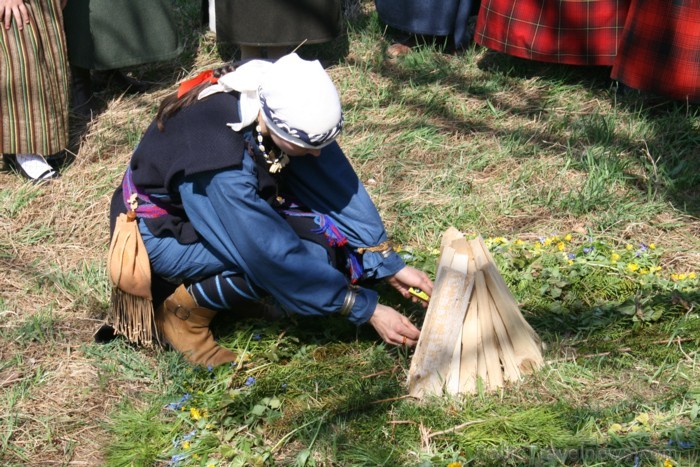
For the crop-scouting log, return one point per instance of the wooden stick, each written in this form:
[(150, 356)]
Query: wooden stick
[(455, 428)]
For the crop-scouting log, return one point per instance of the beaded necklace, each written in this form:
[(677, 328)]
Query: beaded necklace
[(276, 163)]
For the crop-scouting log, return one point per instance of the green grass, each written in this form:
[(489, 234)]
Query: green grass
[(522, 153)]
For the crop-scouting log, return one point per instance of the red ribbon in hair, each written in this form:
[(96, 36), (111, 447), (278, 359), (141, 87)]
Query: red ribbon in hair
[(197, 80)]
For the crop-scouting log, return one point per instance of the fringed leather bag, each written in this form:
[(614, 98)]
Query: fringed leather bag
[(130, 273)]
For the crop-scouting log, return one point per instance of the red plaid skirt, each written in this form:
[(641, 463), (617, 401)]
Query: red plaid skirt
[(660, 49), (577, 32)]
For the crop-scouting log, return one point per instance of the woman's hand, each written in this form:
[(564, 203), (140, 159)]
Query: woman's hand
[(16, 9), (411, 277), (393, 327)]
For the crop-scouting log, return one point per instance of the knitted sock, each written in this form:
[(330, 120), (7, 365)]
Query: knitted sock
[(225, 292)]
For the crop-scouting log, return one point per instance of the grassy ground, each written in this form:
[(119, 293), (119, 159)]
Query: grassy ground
[(520, 152)]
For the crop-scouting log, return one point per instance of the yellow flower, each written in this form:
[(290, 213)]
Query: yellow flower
[(518, 242), (674, 277), (547, 241), (571, 262), (682, 277), (615, 428), (644, 271), (454, 464), (561, 246), (668, 463), (614, 257), (632, 267), (195, 456), (692, 275), (652, 246), (628, 247), (654, 269), (195, 413), (185, 445), (568, 237)]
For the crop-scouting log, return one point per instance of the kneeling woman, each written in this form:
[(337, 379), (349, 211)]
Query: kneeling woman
[(242, 193)]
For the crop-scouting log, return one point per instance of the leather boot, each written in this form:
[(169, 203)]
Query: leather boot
[(82, 102), (185, 326)]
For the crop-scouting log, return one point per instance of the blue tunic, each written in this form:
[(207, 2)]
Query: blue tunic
[(430, 17), (242, 233)]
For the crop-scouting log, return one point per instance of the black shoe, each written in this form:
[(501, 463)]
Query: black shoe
[(82, 101), (104, 79), (57, 161)]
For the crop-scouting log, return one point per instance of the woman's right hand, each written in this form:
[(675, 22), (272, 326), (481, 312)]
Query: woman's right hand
[(393, 327), (16, 9)]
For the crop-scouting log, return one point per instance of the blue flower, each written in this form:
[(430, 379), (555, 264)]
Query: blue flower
[(210, 367), (177, 458), (681, 444), (571, 255), (189, 435), (588, 249), (250, 381), (178, 405), (256, 337)]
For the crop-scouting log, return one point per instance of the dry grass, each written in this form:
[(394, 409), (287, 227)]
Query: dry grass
[(53, 244)]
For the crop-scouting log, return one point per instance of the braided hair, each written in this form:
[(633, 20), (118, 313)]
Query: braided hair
[(172, 103)]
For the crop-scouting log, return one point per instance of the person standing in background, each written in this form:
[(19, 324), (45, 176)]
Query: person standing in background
[(106, 35), (33, 86), (272, 28), (566, 31), (448, 18), (660, 49)]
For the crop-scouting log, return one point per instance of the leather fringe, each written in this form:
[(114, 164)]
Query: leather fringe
[(134, 318)]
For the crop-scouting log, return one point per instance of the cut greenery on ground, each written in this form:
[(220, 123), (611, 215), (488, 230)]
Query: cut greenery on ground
[(588, 200)]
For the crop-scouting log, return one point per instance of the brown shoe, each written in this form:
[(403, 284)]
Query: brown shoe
[(397, 50), (185, 326)]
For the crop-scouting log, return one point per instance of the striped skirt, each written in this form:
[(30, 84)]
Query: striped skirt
[(34, 83), (576, 32), (660, 49)]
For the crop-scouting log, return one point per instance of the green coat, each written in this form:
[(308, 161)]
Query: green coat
[(108, 34), (277, 22)]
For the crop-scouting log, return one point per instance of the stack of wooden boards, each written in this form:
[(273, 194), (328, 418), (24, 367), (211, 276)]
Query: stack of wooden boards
[(473, 333)]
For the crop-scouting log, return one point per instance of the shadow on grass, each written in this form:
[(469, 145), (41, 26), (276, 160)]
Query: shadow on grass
[(666, 144)]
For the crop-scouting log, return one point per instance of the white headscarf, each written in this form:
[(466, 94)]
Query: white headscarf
[(296, 97)]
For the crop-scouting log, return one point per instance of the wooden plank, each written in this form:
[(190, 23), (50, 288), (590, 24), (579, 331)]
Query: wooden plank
[(499, 283), (443, 321), (489, 341), (453, 380), (468, 363), (450, 235), (506, 354), (525, 342)]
